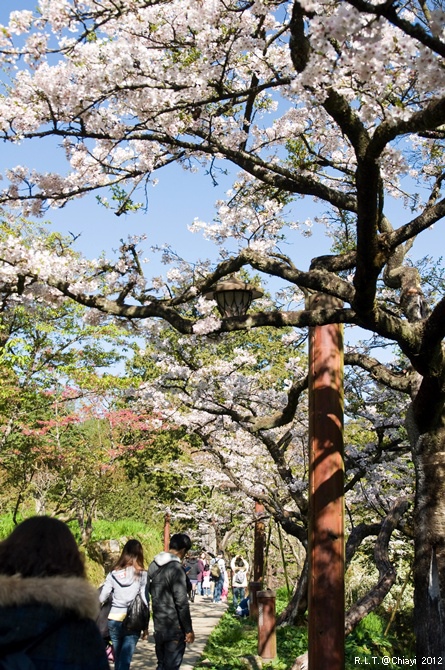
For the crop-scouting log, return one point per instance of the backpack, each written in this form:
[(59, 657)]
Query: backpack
[(239, 577), (19, 660), (215, 571)]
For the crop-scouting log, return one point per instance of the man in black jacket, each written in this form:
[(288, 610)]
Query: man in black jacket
[(167, 591)]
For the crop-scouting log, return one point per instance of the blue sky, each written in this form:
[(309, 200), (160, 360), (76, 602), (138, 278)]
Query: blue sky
[(178, 198), (173, 204)]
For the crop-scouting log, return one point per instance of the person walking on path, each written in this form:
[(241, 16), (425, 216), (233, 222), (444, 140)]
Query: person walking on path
[(166, 591), (194, 567), (217, 565), (124, 582), (206, 582), (240, 570), (204, 588), (201, 565), (47, 607)]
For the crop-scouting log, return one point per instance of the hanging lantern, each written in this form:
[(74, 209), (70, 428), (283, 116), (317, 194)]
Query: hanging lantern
[(233, 297)]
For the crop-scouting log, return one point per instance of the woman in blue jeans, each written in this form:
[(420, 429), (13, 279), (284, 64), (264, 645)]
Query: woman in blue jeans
[(124, 582), (219, 582)]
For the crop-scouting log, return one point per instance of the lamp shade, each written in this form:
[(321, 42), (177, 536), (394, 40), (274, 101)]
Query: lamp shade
[(233, 297)]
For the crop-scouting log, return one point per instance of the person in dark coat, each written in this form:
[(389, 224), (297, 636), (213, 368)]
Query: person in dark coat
[(193, 567), (45, 597), (167, 592)]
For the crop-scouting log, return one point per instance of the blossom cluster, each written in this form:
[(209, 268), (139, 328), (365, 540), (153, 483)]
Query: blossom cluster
[(134, 85)]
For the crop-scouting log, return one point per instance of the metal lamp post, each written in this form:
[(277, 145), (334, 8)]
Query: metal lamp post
[(233, 296)]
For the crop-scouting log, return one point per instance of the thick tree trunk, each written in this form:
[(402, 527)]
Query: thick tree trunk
[(429, 563)]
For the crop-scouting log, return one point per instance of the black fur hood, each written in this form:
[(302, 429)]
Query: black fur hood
[(72, 594)]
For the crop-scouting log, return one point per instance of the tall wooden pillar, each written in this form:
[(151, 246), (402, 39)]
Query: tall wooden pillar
[(256, 583), (326, 501), (166, 531)]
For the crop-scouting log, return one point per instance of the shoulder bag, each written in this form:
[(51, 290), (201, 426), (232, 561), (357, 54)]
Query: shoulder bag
[(137, 618)]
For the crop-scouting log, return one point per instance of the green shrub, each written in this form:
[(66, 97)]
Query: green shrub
[(235, 638), (230, 640), (105, 530), (282, 598), (369, 640), (6, 526), (124, 529)]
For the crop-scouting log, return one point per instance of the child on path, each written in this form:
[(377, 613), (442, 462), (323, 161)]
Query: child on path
[(206, 583)]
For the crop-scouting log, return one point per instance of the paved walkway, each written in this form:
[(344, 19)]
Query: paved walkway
[(205, 616)]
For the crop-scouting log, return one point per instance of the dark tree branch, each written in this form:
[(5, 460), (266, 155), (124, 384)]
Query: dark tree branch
[(287, 414), (389, 11), (387, 572), (396, 380)]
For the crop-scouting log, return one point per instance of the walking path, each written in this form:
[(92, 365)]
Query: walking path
[(205, 616)]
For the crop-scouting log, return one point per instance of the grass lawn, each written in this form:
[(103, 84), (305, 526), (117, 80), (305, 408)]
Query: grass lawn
[(235, 638)]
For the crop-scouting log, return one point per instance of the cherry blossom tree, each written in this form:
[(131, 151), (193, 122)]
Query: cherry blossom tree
[(230, 392), (341, 102)]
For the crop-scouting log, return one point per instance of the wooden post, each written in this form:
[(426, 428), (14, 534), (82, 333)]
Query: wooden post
[(258, 551), (258, 560), (326, 490), (254, 588), (267, 636), (166, 531)]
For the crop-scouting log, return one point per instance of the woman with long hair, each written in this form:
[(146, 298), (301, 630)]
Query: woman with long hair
[(127, 578), (47, 607)]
